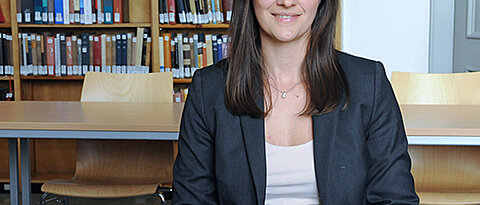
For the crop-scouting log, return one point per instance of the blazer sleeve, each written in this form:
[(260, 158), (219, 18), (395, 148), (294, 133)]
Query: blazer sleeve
[(389, 178), (193, 171)]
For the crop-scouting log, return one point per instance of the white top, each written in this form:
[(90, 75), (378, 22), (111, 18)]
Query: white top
[(290, 175)]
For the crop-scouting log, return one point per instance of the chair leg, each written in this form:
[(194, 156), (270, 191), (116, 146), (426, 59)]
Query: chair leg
[(65, 200), (160, 191), (45, 198)]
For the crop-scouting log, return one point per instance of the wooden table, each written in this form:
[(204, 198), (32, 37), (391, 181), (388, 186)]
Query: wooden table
[(76, 120), (442, 124), (425, 125)]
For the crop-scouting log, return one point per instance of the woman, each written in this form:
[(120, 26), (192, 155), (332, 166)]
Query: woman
[(288, 120)]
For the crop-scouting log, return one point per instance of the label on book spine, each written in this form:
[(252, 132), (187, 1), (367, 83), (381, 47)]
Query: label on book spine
[(19, 17), (51, 17)]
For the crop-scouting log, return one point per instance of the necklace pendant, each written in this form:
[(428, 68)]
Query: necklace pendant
[(284, 95)]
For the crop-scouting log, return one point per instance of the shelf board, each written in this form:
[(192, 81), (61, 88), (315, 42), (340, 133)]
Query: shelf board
[(182, 80), (5, 25), (4, 78), (194, 26), (51, 77), (118, 25)]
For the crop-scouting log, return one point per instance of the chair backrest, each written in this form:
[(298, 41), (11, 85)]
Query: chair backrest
[(428, 88), (441, 168), (114, 87), (125, 161)]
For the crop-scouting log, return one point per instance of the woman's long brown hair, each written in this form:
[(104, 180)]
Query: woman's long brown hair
[(323, 77)]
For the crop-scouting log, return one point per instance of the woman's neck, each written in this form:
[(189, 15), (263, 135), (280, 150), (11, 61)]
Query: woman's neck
[(283, 60)]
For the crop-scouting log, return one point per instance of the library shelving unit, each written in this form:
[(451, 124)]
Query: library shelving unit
[(56, 158)]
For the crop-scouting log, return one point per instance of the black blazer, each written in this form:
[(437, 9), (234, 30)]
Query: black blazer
[(360, 153)]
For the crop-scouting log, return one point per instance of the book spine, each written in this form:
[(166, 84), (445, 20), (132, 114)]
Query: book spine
[(85, 54), (37, 7), (227, 8), (66, 11), (19, 11), (76, 10), (108, 9), (124, 53), (74, 55), (171, 12), (97, 53), (45, 11), (79, 56), (100, 15), (118, 53), (63, 55), (34, 54), (129, 50), (181, 11), (69, 55), (71, 8), (58, 11), (27, 7), (114, 54), (214, 49), (2, 63), (147, 55), (108, 53), (103, 41), (172, 62), (138, 54), (126, 11), (117, 11), (161, 56), (195, 53), (82, 11), (88, 11), (91, 53)]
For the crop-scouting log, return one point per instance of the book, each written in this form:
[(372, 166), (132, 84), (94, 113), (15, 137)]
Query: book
[(103, 42), (45, 11), (100, 14), (114, 54), (181, 11), (117, 11), (58, 11), (79, 56), (51, 11), (118, 53), (74, 55), (147, 55), (71, 13), (97, 53), (63, 55), (37, 11), (27, 7), (2, 63), (108, 54), (82, 12), (214, 48), (227, 9), (19, 12), (138, 60), (91, 53), (108, 9), (123, 61), (209, 49), (85, 54), (88, 11), (66, 11), (69, 53), (76, 9), (161, 56), (126, 11)]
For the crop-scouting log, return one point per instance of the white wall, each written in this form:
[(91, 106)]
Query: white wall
[(392, 31)]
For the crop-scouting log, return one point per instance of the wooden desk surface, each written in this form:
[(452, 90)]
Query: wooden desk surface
[(48, 115), (441, 120), (420, 120)]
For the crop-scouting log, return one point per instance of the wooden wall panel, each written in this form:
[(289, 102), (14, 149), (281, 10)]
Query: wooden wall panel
[(3, 156), (5, 5), (51, 90), (139, 12), (54, 157)]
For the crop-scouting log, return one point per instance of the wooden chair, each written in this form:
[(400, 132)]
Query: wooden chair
[(119, 168), (443, 174), (428, 88)]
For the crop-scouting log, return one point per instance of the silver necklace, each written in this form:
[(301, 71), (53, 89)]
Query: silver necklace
[(284, 93)]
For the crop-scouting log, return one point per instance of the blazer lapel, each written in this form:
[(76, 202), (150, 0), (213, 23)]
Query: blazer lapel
[(324, 132), (253, 131)]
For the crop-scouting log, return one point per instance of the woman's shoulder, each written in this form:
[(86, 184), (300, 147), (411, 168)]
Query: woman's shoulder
[(355, 65), (215, 72)]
